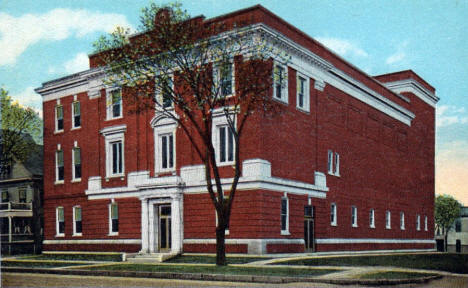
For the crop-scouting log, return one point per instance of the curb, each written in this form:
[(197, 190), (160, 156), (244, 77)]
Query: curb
[(222, 277)]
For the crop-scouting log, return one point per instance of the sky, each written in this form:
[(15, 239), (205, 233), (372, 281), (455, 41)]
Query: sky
[(41, 40)]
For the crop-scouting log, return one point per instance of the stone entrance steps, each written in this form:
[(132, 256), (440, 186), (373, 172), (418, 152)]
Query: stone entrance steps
[(150, 257)]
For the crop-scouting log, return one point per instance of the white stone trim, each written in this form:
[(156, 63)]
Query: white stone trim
[(162, 126), (57, 229), (388, 219), (219, 119), (254, 246), (284, 84), (94, 241), (371, 240), (413, 86), (306, 100), (114, 134), (334, 212), (74, 221)]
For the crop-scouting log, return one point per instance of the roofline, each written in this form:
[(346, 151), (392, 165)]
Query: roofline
[(407, 70)]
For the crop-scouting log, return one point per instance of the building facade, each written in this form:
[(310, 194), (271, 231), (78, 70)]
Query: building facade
[(457, 237), (350, 166)]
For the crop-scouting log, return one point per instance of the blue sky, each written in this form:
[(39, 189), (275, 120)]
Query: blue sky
[(41, 40)]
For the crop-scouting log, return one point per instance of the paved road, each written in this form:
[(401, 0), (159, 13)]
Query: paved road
[(47, 280)]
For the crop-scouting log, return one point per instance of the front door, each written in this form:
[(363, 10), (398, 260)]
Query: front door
[(165, 234), (309, 228)]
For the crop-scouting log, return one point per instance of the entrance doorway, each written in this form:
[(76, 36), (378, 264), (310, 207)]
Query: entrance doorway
[(165, 234), (309, 228)]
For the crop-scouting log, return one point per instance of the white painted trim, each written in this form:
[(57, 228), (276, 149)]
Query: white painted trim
[(217, 78), (57, 234), (74, 221), (334, 207), (388, 219), (244, 241), (412, 86), (284, 84), (354, 220), (94, 241), (110, 104), (162, 127), (109, 207), (74, 179), (73, 113), (306, 100), (285, 231), (219, 119), (114, 134), (372, 240)]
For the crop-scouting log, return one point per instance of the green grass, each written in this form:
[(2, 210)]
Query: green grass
[(457, 263), (230, 270), (395, 275), (114, 257), (38, 264), (212, 259)]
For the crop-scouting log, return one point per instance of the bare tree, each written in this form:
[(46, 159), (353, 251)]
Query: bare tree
[(191, 66)]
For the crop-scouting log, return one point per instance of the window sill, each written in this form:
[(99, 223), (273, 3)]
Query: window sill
[(165, 171), (76, 128), (121, 176), (304, 110), (77, 235), (76, 180), (333, 174), (402, 229), (226, 232), (59, 235), (113, 234), (58, 132), (59, 182), (115, 118), (285, 232), (372, 227), (354, 226), (388, 228), (282, 101), (333, 224), (222, 164)]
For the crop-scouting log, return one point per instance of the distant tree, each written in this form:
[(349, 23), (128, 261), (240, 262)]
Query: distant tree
[(18, 127), (173, 48), (447, 210)]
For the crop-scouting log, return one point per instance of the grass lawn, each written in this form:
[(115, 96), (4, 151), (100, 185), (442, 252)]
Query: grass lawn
[(230, 270), (395, 275), (212, 259), (457, 263), (39, 264), (114, 257)]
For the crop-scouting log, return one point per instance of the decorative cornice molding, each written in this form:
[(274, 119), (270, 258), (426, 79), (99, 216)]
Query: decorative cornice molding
[(412, 86)]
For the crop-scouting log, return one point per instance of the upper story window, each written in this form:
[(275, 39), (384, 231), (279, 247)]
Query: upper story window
[(113, 219), (223, 75), (115, 156), (285, 215), (59, 169), (280, 83), (76, 114), (458, 225), (354, 222), (5, 195), (333, 163), (226, 144), (22, 194), (402, 220), (302, 92), (372, 218), (425, 223), (77, 224), (164, 90), (60, 221), (76, 159), (58, 118), (333, 215), (114, 104), (388, 220), (418, 222), (167, 151)]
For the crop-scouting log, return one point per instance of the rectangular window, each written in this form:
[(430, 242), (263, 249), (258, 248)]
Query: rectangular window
[(284, 215), (117, 161), (60, 224), (388, 220), (22, 194), (77, 226), (330, 162), (76, 163), (280, 83), (333, 215), (59, 118), (167, 151), (59, 165), (5, 196), (458, 225), (76, 109), (402, 220), (354, 216), (302, 92), (372, 218), (425, 223), (225, 79), (337, 164), (164, 88), (418, 222), (114, 219), (226, 144), (114, 104)]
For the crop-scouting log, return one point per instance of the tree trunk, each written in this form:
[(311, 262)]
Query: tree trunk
[(220, 245), (445, 242)]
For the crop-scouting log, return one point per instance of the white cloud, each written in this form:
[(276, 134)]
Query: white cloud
[(18, 33), (77, 64), (399, 55), (342, 46), (447, 115), (29, 98)]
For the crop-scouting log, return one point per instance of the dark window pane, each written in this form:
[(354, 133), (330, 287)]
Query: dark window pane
[(284, 204), (59, 124), (77, 121), (164, 151), (61, 227), (115, 225), (120, 157), (163, 231), (226, 80), (78, 171), (283, 222), (116, 109), (222, 144), (171, 151), (114, 158), (166, 210), (78, 227), (60, 173), (230, 145)]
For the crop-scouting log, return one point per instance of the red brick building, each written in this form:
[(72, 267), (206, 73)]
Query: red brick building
[(350, 167)]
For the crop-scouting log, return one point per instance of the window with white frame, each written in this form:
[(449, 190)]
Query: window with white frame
[(372, 218), (164, 129), (77, 226), (60, 221), (226, 144), (167, 151), (388, 220), (418, 222), (114, 104), (165, 91), (337, 164), (76, 114), (302, 92), (333, 214), (58, 118), (115, 153), (76, 159), (284, 215), (330, 162), (402, 220), (425, 223), (113, 219), (354, 219), (223, 76), (280, 82), (59, 169)]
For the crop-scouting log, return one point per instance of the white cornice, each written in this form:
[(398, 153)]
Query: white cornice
[(371, 240), (412, 86), (113, 129)]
